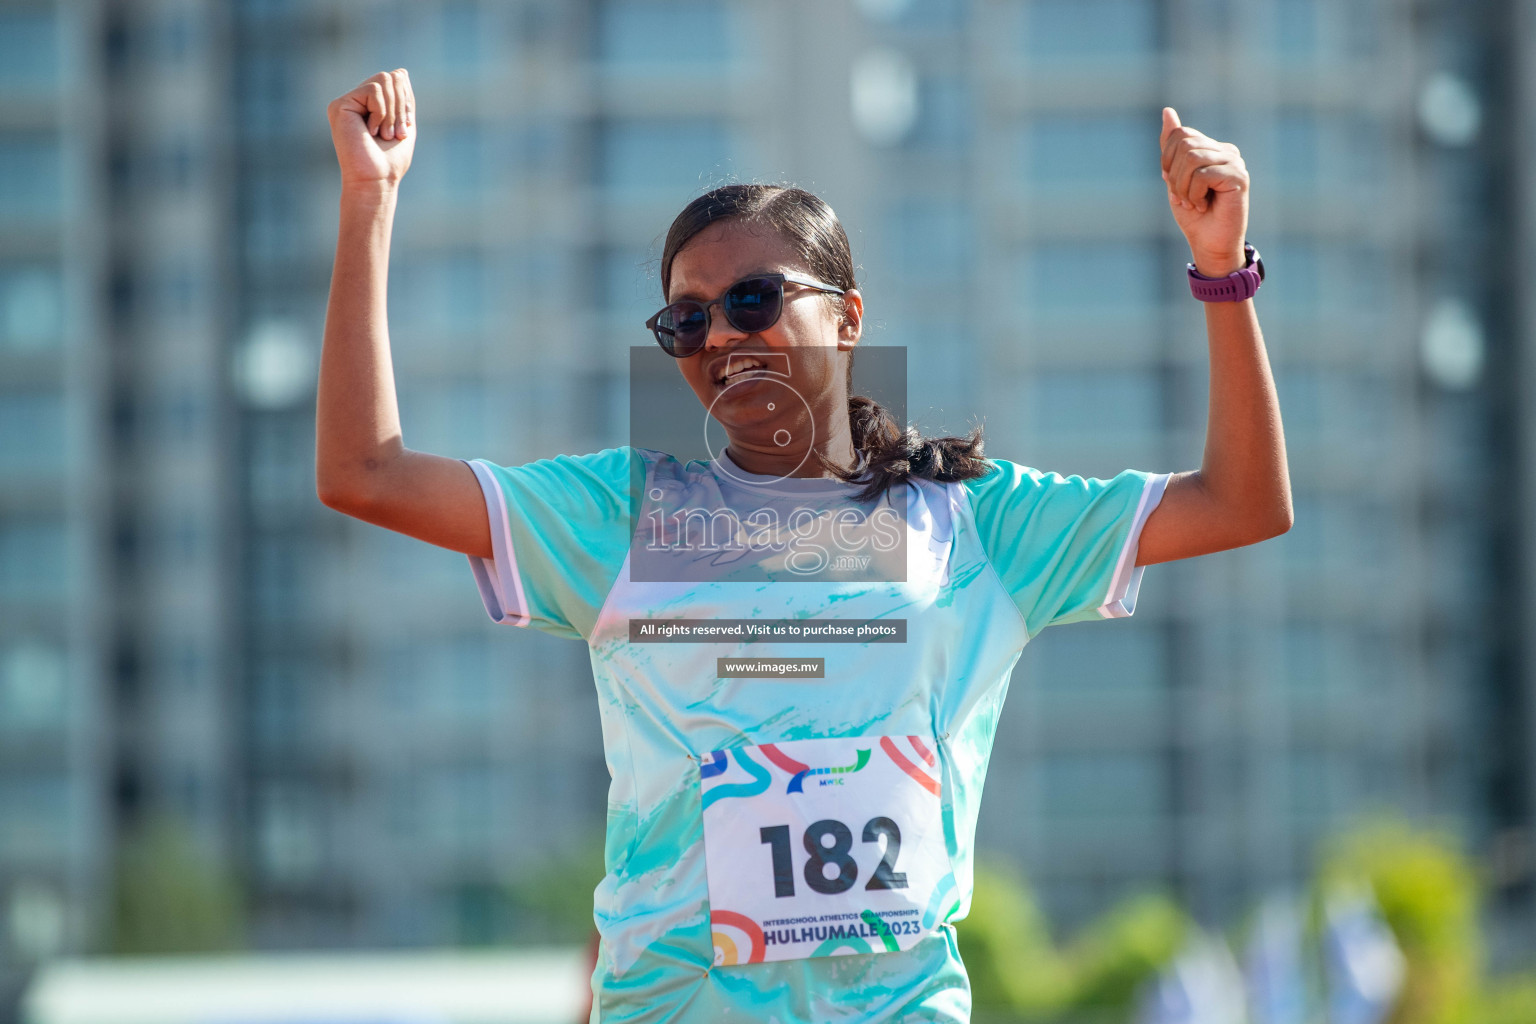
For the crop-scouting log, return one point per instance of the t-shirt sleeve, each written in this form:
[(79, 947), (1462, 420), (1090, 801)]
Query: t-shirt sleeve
[(560, 530), (1064, 547)]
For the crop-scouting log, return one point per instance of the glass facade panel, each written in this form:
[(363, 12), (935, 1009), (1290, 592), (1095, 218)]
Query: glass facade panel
[(672, 155), (1116, 151), (1077, 29), (31, 178), (33, 688), (451, 171), (1108, 785), (931, 242), (462, 28), (35, 807), (441, 291), (271, 231), (1296, 150), (630, 287), (1296, 30), (33, 563), (449, 417), (265, 103), (29, 51), (1120, 656), (31, 432), (944, 119), (1096, 402), (1091, 279), (671, 37), (31, 306), (289, 839)]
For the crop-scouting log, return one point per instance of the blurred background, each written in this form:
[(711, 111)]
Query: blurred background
[(240, 729)]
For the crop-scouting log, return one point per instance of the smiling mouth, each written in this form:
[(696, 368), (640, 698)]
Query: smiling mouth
[(747, 366)]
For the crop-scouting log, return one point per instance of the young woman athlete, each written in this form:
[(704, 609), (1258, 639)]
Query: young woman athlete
[(790, 848)]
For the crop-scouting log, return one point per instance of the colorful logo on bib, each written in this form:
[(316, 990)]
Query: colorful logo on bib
[(738, 939), (921, 769), (799, 771)]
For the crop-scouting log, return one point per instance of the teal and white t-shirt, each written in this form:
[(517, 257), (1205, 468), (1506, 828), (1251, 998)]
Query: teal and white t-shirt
[(794, 849)]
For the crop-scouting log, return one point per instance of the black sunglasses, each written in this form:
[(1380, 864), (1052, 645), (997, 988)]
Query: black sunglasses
[(752, 304)]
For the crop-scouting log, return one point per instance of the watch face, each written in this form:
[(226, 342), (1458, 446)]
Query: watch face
[(1254, 260)]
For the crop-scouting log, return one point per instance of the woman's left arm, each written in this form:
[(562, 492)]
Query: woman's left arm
[(1241, 494)]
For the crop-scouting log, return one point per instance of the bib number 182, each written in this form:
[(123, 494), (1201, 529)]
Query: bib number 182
[(834, 854)]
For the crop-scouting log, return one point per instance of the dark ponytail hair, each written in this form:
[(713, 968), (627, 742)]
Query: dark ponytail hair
[(893, 453)]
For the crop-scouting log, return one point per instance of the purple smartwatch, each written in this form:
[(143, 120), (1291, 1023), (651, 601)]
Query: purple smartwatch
[(1236, 286)]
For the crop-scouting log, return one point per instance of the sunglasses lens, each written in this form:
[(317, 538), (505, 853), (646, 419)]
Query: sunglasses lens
[(753, 305), (682, 327)]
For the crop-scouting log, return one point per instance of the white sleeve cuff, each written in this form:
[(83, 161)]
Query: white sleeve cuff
[(1121, 600), (501, 588)]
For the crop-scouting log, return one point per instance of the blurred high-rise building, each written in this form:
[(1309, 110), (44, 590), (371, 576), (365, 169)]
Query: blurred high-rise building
[(185, 631)]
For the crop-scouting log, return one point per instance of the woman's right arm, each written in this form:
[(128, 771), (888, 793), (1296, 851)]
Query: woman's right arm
[(362, 467)]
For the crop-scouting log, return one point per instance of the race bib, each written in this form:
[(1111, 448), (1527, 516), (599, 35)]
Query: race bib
[(824, 847)]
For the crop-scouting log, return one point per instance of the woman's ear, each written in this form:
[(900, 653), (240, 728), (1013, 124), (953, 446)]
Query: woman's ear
[(850, 326)]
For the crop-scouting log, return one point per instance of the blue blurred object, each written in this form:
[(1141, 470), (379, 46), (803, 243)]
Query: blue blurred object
[(1202, 986), (1364, 966), (1277, 981)]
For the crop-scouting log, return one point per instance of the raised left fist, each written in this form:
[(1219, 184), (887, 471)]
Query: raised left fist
[(1208, 193)]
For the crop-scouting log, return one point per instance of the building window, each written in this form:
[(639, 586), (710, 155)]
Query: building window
[(289, 841), (462, 36), (673, 156), (1328, 279), (1077, 29), (446, 415), (1066, 279), (1091, 150), (944, 121), (180, 289), (1295, 27), (31, 307), (1103, 785), (33, 688), (276, 584), (33, 561), (264, 100), (1127, 656), (631, 286), (931, 242), (271, 231), (452, 170), (439, 291), (36, 809), (31, 178), (29, 51), (31, 432), (670, 37), (924, 16), (1096, 402), (281, 716)]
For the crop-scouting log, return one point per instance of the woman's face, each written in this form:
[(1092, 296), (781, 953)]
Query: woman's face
[(759, 408)]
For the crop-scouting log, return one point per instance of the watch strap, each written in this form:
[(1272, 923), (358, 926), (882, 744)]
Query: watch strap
[(1237, 286)]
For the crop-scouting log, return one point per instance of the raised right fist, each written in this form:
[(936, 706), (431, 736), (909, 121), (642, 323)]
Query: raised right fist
[(373, 128)]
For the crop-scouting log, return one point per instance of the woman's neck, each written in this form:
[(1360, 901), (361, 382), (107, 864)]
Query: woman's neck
[(769, 459)]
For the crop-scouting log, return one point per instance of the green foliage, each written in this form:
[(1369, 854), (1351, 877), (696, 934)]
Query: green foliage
[(1509, 1001), (1428, 893), (1427, 888), (553, 904), (1124, 948), (1015, 968), (1007, 948), (169, 896)]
